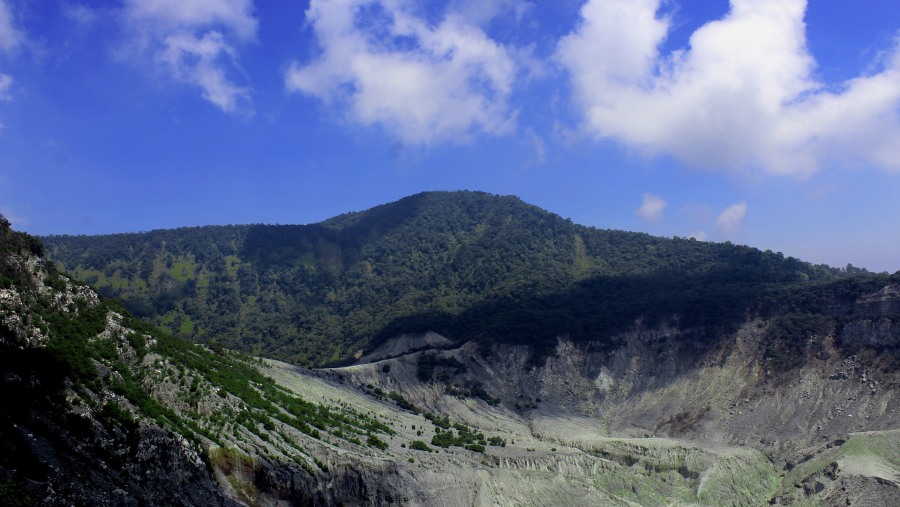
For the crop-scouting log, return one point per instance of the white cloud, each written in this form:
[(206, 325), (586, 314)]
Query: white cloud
[(742, 96), (10, 41), (483, 11), (540, 147), (196, 41), (10, 37), (424, 83), (5, 85), (236, 15), (651, 208), (81, 14), (731, 218), (204, 69)]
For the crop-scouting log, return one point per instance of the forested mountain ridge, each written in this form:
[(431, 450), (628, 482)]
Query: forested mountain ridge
[(467, 264), (799, 407)]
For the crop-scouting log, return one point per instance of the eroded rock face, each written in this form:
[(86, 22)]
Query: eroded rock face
[(882, 333), (665, 385), (286, 484), (878, 304), (654, 384)]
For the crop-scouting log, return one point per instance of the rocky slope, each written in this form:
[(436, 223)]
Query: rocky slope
[(100, 409), (654, 422)]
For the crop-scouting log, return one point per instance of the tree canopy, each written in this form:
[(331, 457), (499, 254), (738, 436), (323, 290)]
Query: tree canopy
[(467, 264)]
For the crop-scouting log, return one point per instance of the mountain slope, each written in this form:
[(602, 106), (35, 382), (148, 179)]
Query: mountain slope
[(102, 409), (439, 261)]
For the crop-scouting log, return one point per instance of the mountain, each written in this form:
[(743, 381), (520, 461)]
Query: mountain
[(101, 409), (795, 404), (468, 265)]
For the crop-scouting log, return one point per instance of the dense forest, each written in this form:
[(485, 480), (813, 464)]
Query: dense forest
[(469, 265)]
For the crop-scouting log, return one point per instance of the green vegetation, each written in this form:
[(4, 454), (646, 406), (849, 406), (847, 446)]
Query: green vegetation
[(419, 445), (464, 437), (113, 413), (783, 349), (498, 442), (440, 422), (99, 347), (402, 402), (468, 265), (71, 334), (374, 441), (266, 402)]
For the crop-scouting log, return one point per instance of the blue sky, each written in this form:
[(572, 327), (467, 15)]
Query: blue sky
[(771, 123)]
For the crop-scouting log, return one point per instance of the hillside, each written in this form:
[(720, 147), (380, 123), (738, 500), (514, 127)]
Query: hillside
[(466, 264), (102, 409)]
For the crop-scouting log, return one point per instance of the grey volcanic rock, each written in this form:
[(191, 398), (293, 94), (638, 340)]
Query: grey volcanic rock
[(665, 401)]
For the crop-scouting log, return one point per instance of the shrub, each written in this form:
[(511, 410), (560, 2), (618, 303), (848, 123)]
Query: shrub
[(419, 445)]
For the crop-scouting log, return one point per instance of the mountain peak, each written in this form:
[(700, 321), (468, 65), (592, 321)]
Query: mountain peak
[(474, 203)]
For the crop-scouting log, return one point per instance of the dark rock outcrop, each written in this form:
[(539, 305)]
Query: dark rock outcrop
[(72, 460)]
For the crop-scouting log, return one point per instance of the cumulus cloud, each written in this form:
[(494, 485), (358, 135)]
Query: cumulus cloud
[(425, 83), (235, 15), (742, 96), (651, 208), (730, 220), (196, 42)]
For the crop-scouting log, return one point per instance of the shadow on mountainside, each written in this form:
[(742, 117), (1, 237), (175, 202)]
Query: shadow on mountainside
[(713, 305)]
